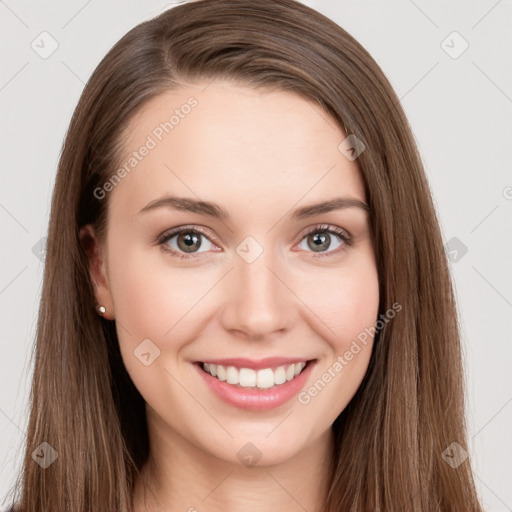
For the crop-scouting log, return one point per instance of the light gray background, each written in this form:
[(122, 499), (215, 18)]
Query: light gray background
[(460, 110)]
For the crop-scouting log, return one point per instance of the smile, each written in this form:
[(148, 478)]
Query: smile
[(264, 378)]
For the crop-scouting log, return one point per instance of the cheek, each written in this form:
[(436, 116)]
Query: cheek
[(152, 302), (150, 297), (347, 303), (346, 300)]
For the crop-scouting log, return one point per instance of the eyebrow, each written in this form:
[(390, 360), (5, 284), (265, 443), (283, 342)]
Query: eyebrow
[(214, 210)]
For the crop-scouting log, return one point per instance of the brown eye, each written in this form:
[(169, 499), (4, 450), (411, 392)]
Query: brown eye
[(319, 241), (184, 241), (325, 239), (189, 242)]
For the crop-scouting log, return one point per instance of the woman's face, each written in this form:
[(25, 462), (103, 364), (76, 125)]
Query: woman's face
[(244, 279)]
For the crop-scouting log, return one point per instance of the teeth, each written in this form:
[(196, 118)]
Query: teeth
[(249, 378)]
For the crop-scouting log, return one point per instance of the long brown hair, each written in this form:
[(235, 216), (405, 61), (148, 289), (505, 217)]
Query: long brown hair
[(409, 408)]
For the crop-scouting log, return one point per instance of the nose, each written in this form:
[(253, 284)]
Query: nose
[(257, 301)]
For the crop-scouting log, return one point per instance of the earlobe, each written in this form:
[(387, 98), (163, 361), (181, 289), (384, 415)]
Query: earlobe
[(97, 271), (102, 311)]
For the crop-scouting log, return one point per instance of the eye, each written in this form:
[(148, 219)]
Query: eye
[(184, 241), (320, 238)]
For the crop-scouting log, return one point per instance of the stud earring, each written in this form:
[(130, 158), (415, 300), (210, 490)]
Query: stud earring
[(102, 310)]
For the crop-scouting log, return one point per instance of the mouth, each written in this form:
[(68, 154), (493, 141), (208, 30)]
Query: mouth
[(244, 377)]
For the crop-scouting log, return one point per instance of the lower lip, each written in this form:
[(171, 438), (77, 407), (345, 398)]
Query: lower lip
[(254, 399)]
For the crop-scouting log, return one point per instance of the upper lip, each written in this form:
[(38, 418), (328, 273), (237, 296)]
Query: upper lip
[(256, 364)]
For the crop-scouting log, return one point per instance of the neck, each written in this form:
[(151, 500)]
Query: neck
[(181, 476)]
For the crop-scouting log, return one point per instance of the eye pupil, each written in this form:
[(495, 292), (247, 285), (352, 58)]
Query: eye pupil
[(320, 241), (187, 241)]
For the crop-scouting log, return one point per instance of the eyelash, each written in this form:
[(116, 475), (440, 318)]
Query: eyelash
[(322, 228)]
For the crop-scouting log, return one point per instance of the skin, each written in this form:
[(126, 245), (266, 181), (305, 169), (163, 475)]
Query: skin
[(260, 155)]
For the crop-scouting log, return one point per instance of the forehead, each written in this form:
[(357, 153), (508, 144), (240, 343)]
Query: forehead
[(237, 144)]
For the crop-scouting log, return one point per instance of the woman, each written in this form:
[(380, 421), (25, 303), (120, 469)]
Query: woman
[(246, 298)]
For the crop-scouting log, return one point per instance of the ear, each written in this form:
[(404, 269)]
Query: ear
[(95, 252)]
